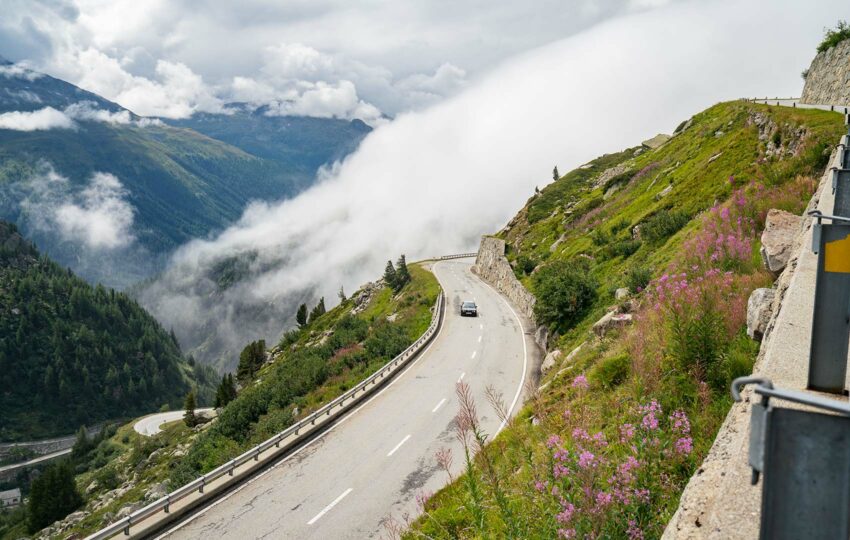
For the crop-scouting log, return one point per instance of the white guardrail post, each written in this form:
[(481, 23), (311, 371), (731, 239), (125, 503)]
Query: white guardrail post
[(368, 385)]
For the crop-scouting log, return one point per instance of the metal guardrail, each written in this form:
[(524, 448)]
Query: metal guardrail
[(458, 256), (300, 430), (804, 456)]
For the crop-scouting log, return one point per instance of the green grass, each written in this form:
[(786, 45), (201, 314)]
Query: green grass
[(718, 154)]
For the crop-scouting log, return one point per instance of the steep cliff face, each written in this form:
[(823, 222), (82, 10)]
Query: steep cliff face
[(828, 79), (493, 267)]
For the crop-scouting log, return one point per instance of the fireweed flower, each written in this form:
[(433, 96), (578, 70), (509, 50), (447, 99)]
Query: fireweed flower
[(566, 533), (634, 532), (553, 441), (684, 446), (580, 435), (627, 431), (566, 514), (539, 486), (680, 422), (586, 460), (580, 382)]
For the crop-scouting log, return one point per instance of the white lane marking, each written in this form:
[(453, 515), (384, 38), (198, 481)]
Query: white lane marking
[(473, 354), (396, 447), (328, 507), (319, 437), (524, 356), (481, 327), (440, 404), (479, 338), (462, 375)]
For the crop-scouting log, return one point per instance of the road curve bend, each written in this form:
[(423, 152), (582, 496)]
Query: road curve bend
[(370, 467)]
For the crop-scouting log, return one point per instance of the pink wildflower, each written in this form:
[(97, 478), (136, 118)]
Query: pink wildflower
[(580, 382), (553, 441), (684, 446), (567, 514), (566, 533), (634, 532), (586, 460)]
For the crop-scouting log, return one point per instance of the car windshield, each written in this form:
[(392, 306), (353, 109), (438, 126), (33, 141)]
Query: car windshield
[(469, 304)]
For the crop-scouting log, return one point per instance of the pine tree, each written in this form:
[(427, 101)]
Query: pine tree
[(226, 391), (390, 276), (251, 359), (82, 445), (301, 315), (341, 294), (189, 406), (318, 311), (402, 274), (555, 174), (53, 495)]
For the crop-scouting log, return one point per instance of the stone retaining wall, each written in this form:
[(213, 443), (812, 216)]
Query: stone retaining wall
[(492, 266)]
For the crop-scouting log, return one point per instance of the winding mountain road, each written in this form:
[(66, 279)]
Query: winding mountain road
[(371, 466)]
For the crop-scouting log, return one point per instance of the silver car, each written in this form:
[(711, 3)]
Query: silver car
[(468, 308)]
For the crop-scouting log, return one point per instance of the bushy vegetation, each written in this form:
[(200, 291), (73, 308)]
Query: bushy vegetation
[(73, 354), (834, 36), (564, 291), (605, 447)]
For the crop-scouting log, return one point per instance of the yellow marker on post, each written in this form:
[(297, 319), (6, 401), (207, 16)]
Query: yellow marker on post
[(837, 256)]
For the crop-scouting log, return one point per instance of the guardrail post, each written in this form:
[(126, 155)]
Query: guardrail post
[(203, 483), (230, 472), (831, 317), (167, 508), (127, 529)]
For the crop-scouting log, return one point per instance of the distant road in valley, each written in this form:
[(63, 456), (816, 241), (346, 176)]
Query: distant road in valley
[(150, 425), (374, 462)]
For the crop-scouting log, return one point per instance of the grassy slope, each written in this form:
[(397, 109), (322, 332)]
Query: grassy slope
[(127, 454), (718, 154)]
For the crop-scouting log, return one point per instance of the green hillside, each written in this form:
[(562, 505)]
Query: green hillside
[(180, 184), (607, 444), (72, 354)]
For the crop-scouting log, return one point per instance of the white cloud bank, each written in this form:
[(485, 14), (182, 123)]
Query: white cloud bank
[(98, 216), (432, 182), (40, 120)]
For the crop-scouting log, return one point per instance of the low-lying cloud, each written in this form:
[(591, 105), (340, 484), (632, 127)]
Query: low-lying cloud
[(96, 216), (49, 118), (432, 182), (40, 120)]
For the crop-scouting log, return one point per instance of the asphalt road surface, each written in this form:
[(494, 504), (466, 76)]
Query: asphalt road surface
[(151, 424), (373, 464)]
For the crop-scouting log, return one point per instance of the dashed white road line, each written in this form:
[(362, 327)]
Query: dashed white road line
[(473, 354), (440, 404), (462, 375), (328, 507), (479, 338), (393, 451), (481, 326)]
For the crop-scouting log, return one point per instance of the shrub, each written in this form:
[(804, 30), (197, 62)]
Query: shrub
[(834, 36), (564, 291), (663, 225), (612, 371), (637, 278), (622, 248), (525, 264)]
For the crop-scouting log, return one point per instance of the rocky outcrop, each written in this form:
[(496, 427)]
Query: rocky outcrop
[(550, 360), (780, 230), (759, 310), (492, 266), (656, 142), (611, 321), (828, 78)]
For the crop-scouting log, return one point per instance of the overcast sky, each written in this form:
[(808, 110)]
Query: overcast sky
[(315, 57)]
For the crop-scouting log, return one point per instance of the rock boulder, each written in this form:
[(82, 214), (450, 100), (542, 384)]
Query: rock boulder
[(777, 239), (759, 309)]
